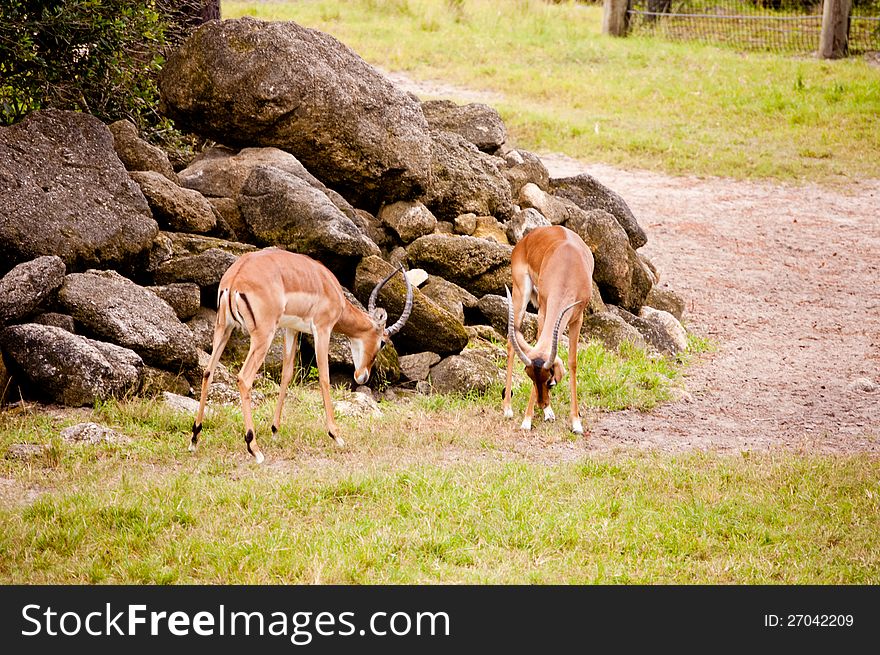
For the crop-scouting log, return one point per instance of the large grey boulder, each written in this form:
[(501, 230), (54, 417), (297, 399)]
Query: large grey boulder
[(203, 269), (667, 300), (184, 297), (176, 208), (247, 82), (449, 295), (480, 266), (27, 285), (472, 371), (116, 309), (430, 327), (611, 330), (476, 122), (588, 193), (63, 191), (137, 154), (523, 222), (220, 172), (283, 210), (409, 220), (463, 179), (52, 364), (522, 167), (417, 366)]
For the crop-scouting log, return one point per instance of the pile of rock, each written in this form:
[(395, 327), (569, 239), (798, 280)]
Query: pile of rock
[(113, 256)]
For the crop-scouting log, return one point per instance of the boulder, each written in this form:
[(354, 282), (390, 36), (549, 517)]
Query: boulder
[(673, 337), (228, 213), (92, 434), (523, 222), (472, 371), (184, 298), (176, 208), (26, 286), (63, 321), (465, 224), (450, 296), (522, 167), (667, 300), (203, 270), (463, 179), (247, 82), (487, 227), (409, 220), (222, 172), (619, 272), (588, 193), (52, 364), (137, 154), (556, 210), (430, 327), (479, 265), (417, 366), (476, 122), (64, 192), (116, 309), (282, 210), (611, 330)]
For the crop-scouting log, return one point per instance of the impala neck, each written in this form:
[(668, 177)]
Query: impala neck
[(353, 322)]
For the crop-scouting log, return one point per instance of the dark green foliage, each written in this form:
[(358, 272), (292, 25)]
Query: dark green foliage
[(98, 56)]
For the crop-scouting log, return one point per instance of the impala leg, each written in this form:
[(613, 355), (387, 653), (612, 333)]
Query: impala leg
[(291, 339), (549, 415), (260, 340), (221, 338), (530, 411), (574, 333), (322, 351), (519, 302)]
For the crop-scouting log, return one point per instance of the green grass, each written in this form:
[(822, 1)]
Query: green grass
[(438, 490), (635, 102)]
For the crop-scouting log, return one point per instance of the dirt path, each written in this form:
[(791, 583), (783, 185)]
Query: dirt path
[(784, 280)]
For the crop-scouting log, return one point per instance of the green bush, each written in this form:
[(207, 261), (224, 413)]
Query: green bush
[(97, 56)]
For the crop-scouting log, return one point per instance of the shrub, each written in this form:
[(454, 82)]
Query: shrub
[(97, 56)]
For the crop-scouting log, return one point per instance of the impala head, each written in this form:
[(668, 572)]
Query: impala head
[(365, 350), (544, 372)]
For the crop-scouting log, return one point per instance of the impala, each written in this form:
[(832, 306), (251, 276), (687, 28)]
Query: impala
[(274, 288), (552, 267)]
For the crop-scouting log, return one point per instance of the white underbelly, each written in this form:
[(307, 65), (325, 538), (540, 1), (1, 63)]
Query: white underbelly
[(295, 323)]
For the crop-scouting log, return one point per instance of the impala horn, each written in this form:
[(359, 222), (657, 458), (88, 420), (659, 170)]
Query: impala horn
[(513, 334), (549, 363), (407, 307)]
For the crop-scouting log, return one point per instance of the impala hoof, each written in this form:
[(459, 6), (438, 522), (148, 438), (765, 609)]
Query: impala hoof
[(508, 413), (259, 457), (338, 440), (548, 414), (576, 426), (192, 447), (526, 425)]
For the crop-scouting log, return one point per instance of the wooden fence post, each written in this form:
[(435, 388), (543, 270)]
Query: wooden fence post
[(833, 41), (615, 19)]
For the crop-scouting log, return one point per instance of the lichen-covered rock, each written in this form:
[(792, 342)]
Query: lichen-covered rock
[(463, 179), (176, 208), (409, 220), (247, 82), (450, 296), (674, 339), (472, 371), (26, 286), (487, 227), (204, 269), (476, 122), (283, 210), (667, 300), (64, 192), (116, 309), (523, 167), (523, 222), (479, 265), (588, 193), (184, 297), (496, 309), (52, 364), (137, 154), (417, 366), (611, 330)]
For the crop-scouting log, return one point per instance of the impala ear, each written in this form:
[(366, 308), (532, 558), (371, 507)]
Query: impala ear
[(380, 315)]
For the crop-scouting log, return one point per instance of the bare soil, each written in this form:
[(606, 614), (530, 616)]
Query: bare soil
[(784, 280)]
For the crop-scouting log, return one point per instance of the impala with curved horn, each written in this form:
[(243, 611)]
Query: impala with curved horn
[(552, 267), (274, 288)]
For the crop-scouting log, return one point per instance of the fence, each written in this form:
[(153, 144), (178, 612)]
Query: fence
[(835, 29)]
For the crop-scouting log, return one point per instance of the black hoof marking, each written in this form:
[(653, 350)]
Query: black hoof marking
[(247, 439), (196, 429), (274, 429), (206, 375)]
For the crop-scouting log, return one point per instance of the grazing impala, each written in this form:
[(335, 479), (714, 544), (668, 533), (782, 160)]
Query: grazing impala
[(273, 288), (553, 267)]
